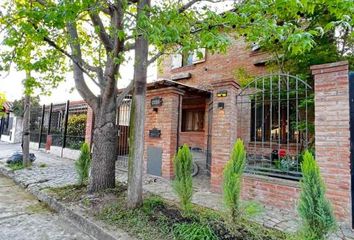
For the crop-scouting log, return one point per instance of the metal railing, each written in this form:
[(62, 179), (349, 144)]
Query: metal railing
[(49, 125), (123, 121), (274, 118)]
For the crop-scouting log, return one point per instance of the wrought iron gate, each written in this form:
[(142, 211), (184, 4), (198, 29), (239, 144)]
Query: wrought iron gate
[(123, 121), (275, 120)]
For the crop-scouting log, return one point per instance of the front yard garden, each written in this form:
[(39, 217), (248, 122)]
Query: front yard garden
[(161, 219)]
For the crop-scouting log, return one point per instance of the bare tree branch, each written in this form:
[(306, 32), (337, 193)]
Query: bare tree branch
[(124, 93), (155, 57), (80, 65), (102, 34), (188, 5), (129, 46), (80, 83), (118, 48)]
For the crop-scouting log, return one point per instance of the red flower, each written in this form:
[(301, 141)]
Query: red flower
[(282, 153)]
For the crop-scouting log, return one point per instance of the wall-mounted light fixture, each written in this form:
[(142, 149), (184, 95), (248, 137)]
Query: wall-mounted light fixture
[(221, 105), (222, 93)]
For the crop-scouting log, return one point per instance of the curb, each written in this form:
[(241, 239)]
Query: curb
[(81, 222)]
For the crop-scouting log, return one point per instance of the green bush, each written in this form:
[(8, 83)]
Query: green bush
[(193, 231), (182, 184), (233, 178), (82, 164), (314, 208), (77, 125), (76, 131)]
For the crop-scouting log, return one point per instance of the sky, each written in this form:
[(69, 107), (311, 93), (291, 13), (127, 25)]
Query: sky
[(11, 83)]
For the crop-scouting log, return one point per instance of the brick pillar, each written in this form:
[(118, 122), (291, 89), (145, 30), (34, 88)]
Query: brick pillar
[(165, 119), (223, 129), (89, 125), (332, 133)]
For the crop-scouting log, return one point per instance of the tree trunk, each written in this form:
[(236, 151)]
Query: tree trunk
[(105, 136), (26, 129), (136, 146)]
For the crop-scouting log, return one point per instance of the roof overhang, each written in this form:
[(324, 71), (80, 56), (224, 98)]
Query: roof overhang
[(165, 83)]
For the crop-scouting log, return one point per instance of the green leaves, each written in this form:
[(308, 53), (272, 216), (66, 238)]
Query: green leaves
[(190, 30), (290, 27)]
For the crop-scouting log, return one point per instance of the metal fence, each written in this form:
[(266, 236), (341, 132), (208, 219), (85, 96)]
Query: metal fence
[(275, 116), (35, 123), (76, 127), (62, 125), (123, 121)]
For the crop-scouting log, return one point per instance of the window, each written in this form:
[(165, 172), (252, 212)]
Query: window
[(271, 124), (187, 59), (192, 120)]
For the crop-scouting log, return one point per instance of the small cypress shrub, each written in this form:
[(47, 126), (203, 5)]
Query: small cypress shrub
[(233, 179), (82, 164), (182, 184), (314, 208)]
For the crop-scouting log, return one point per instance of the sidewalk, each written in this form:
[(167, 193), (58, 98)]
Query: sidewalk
[(61, 172)]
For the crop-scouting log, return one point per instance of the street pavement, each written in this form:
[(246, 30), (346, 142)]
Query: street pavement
[(23, 217)]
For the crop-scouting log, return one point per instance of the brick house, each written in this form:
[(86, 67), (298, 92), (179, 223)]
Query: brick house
[(200, 102), (195, 102)]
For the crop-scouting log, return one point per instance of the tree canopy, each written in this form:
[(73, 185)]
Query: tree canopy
[(19, 105), (298, 33)]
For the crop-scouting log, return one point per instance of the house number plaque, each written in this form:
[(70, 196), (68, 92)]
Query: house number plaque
[(154, 133)]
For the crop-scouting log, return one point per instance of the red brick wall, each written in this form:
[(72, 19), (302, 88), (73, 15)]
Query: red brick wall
[(223, 129), (332, 133), (282, 194), (166, 119), (193, 139), (217, 66)]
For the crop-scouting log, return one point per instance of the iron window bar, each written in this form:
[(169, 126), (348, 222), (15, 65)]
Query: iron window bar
[(274, 152)]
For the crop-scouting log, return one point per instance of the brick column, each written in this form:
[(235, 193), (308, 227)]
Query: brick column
[(223, 129), (89, 125), (165, 119), (332, 133)]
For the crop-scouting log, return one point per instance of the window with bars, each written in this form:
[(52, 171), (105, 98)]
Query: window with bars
[(275, 119), (272, 124)]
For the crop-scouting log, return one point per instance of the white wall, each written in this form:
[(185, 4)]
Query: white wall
[(15, 132)]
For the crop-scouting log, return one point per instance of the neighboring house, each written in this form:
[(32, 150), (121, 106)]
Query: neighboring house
[(10, 125)]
